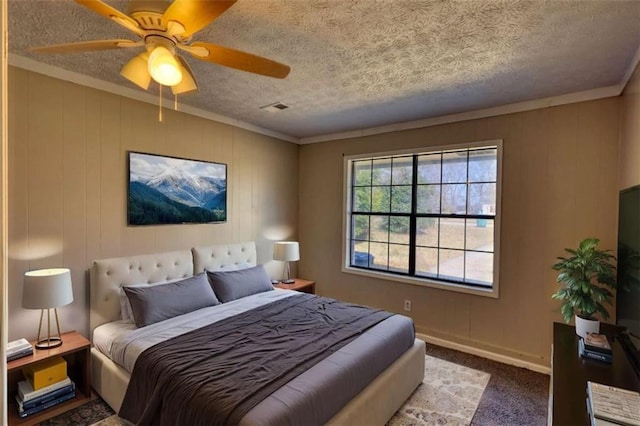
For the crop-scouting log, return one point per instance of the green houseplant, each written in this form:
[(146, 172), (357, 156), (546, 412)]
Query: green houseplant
[(584, 278)]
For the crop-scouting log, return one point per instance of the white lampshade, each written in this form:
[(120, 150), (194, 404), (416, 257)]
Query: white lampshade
[(163, 67), (286, 251), (47, 289)]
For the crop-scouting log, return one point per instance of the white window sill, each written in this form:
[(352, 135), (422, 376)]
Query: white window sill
[(425, 282)]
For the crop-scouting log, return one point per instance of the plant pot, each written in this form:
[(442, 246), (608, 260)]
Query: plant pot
[(584, 326)]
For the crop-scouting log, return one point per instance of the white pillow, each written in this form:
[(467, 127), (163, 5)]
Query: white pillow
[(126, 313)]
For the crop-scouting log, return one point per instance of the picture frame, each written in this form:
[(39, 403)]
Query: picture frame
[(164, 190)]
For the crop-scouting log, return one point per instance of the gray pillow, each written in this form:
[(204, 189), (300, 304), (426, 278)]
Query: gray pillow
[(157, 303), (232, 285), (125, 307)]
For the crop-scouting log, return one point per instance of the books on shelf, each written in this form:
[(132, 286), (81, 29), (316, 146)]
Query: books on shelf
[(587, 353), (597, 343), (18, 349), (30, 401), (608, 404), (25, 412), (27, 393)]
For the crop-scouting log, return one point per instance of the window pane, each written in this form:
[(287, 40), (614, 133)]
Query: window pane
[(480, 234), (379, 251), (427, 231), (451, 264), (428, 199), (380, 228), (360, 255), (454, 199), (451, 186), (382, 172), (452, 233), (482, 198), (426, 262), (362, 172), (401, 199), (360, 227), (429, 168), (362, 199), (398, 258), (483, 165), (399, 230), (381, 199), (403, 170), (479, 268), (454, 167)]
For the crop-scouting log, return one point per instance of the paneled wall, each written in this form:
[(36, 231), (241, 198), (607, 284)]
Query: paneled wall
[(68, 185), (559, 186), (630, 133)]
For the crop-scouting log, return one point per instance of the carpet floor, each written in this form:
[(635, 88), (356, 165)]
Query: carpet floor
[(513, 396)]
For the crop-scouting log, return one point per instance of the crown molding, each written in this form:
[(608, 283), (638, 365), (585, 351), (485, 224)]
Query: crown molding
[(83, 80), (587, 95)]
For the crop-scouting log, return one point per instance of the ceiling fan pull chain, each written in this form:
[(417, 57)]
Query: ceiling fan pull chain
[(160, 104), (175, 104)]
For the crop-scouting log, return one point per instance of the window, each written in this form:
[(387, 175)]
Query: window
[(429, 216)]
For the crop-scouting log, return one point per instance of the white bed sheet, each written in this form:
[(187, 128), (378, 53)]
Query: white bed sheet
[(123, 342)]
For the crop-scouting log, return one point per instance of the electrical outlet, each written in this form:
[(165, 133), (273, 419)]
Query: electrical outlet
[(407, 305)]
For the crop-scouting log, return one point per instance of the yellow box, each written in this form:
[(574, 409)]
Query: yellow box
[(46, 372)]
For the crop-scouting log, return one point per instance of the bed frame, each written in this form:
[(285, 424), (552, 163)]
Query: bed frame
[(374, 405)]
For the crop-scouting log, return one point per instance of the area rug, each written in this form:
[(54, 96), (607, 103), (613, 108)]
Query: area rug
[(449, 395)]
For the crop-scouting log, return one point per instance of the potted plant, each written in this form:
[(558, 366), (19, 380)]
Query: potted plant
[(584, 278)]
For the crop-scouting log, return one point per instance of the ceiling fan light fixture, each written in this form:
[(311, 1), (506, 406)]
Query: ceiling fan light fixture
[(136, 70), (164, 67)]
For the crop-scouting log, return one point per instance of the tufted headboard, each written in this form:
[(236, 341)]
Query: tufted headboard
[(219, 257), (107, 276)]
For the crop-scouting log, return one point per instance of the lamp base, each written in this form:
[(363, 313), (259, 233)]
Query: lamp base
[(50, 343), (288, 281)]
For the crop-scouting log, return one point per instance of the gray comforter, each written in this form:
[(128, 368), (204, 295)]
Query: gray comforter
[(216, 374)]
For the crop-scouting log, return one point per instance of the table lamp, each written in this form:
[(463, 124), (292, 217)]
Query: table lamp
[(47, 289), (286, 251)]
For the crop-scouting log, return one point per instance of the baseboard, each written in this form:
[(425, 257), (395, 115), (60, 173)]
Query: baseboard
[(485, 354)]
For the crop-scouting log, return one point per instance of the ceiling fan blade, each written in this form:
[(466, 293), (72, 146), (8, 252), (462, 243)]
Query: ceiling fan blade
[(194, 15), (109, 12), (85, 46), (188, 83), (238, 60), (136, 70)]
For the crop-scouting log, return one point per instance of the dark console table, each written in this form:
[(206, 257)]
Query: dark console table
[(570, 373)]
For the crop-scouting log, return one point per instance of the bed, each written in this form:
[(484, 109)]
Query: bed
[(373, 403)]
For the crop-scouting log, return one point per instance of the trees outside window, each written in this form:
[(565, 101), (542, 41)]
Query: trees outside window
[(428, 214)]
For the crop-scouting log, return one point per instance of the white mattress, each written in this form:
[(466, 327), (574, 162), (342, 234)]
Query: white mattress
[(123, 342)]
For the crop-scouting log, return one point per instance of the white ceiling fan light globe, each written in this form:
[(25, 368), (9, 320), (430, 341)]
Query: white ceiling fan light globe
[(163, 67)]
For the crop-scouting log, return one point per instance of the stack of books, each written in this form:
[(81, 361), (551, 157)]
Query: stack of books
[(46, 385), (595, 346), (18, 349), (608, 405)]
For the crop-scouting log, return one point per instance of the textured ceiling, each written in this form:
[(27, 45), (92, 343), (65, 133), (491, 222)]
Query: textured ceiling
[(363, 63)]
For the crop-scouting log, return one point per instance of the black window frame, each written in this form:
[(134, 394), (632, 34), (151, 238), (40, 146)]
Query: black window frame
[(414, 215)]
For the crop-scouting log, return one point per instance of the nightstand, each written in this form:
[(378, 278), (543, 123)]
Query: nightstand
[(304, 286), (76, 350)]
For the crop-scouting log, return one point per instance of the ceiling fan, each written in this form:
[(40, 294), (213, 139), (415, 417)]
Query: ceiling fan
[(166, 28)]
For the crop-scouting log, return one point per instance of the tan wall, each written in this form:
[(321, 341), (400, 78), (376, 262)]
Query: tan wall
[(68, 185), (559, 186), (630, 133)]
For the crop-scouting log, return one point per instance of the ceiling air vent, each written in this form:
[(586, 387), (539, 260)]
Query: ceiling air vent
[(276, 106)]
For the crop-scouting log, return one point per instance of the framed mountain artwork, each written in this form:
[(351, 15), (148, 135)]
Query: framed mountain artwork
[(169, 190)]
